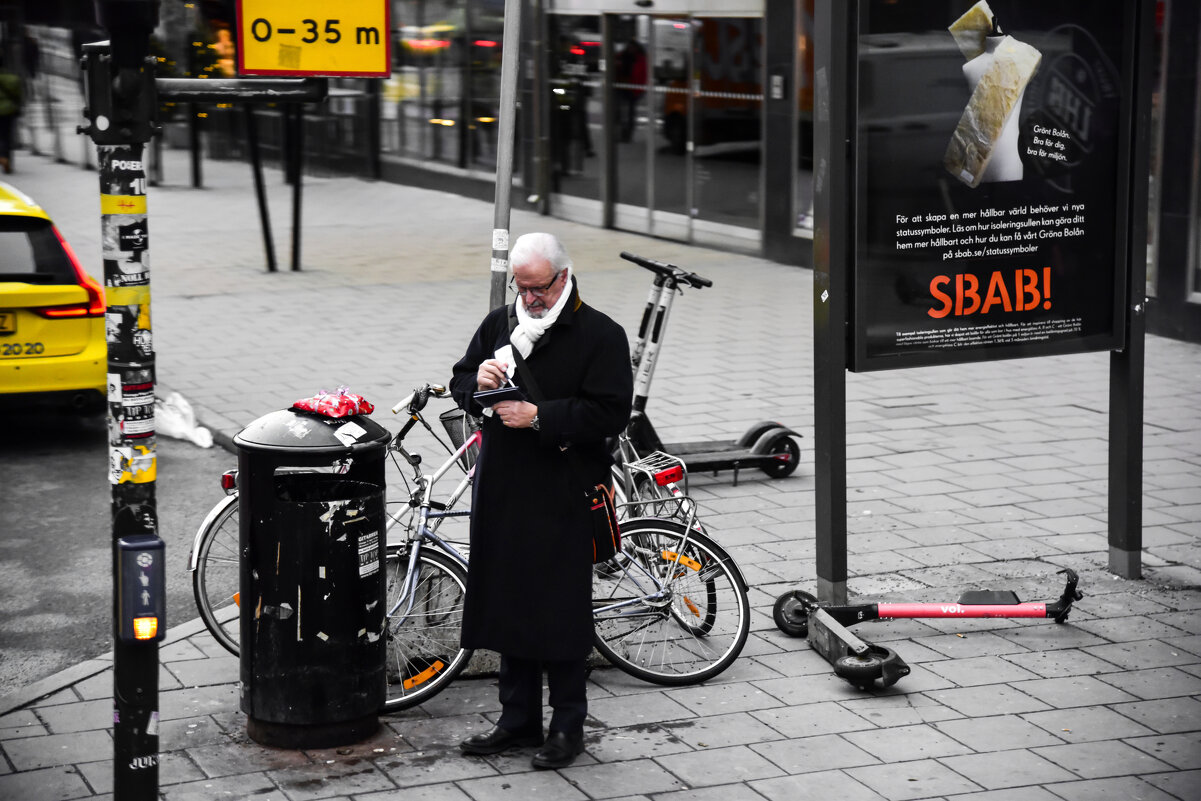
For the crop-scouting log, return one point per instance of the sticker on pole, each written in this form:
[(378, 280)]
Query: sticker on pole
[(349, 38)]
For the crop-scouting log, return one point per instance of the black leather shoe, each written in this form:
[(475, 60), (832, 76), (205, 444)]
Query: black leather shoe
[(498, 740), (559, 751)]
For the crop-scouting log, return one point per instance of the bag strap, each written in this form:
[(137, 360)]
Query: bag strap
[(527, 376), (530, 383)]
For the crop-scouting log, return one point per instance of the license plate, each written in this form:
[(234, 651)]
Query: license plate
[(8, 321)]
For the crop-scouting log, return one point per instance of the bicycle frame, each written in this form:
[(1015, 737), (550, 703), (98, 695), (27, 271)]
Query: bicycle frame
[(422, 499), (422, 496)]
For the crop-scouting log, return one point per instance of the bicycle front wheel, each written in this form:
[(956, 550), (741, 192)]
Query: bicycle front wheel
[(668, 612), (425, 617), (215, 576)]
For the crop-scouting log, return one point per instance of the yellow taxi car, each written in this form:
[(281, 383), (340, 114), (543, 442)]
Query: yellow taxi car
[(52, 342)]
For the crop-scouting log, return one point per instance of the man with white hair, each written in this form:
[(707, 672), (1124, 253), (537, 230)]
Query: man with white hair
[(529, 586)]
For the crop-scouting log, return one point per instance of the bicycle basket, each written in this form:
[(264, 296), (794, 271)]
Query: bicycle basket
[(460, 425)]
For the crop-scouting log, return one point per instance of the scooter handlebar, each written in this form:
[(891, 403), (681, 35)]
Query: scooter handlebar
[(663, 268)]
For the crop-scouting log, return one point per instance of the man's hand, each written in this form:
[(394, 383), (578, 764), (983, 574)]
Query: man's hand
[(516, 414), (491, 374)]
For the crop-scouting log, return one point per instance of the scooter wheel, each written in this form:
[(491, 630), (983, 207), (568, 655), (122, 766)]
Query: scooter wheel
[(788, 454), (860, 671), (791, 612)]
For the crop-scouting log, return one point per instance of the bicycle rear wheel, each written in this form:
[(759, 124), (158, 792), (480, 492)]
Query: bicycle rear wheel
[(673, 633), (215, 577), (424, 654)]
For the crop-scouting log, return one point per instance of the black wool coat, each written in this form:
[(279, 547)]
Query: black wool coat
[(529, 584)]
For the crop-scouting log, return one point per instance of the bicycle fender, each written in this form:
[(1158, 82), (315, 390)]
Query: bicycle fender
[(765, 440), (194, 559)]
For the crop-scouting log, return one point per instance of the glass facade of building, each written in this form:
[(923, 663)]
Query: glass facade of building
[(440, 103), (648, 122)]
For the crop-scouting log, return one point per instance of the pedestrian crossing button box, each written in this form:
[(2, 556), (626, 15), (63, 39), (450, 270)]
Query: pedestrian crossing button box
[(141, 589)]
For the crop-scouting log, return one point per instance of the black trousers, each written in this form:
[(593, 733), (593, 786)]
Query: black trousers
[(521, 694)]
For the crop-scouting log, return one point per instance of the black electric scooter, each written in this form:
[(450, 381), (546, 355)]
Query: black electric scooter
[(767, 445)]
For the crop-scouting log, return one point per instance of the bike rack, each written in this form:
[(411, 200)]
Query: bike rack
[(664, 470)]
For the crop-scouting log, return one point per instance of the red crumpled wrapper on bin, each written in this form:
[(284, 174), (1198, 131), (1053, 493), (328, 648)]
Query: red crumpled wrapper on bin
[(341, 403)]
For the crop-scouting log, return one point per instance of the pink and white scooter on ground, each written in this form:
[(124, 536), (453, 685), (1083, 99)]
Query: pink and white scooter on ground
[(868, 666)]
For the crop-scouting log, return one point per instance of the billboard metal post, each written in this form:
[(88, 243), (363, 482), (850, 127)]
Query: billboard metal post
[(1126, 385), (833, 201)]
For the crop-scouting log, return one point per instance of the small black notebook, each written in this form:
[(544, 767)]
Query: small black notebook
[(487, 397)]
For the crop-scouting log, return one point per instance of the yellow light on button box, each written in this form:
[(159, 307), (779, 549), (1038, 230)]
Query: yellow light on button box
[(145, 628)]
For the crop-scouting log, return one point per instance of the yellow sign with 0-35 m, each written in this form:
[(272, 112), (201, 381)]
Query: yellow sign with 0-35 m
[(349, 38)]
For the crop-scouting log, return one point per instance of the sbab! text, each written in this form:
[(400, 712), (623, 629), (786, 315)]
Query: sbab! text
[(1021, 290)]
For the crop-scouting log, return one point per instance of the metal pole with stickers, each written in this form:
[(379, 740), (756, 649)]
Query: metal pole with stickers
[(120, 91)]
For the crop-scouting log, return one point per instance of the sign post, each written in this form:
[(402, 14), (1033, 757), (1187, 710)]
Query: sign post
[(499, 263)]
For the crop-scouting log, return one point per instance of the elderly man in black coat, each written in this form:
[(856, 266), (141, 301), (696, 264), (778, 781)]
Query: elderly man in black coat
[(529, 587)]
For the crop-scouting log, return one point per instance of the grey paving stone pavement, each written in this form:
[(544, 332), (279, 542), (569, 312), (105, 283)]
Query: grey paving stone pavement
[(965, 477)]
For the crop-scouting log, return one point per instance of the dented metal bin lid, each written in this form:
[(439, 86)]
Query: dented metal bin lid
[(291, 431)]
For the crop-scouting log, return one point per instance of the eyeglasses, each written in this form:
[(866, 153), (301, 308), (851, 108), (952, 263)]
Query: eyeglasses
[(536, 291)]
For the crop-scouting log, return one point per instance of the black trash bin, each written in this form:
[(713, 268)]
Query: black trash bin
[(312, 529)]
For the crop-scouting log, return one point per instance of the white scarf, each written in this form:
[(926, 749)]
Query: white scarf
[(530, 329)]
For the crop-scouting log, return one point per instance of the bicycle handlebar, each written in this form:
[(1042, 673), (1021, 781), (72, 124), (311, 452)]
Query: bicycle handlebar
[(416, 400), (669, 270)]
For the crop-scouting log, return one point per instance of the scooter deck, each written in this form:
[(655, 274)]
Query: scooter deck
[(723, 460), (702, 456), (705, 446)]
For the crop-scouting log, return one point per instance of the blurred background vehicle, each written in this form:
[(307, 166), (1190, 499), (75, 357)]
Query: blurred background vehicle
[(52, 336)]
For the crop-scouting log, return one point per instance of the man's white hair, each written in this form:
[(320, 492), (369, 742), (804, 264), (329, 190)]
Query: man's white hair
[(540, 245)]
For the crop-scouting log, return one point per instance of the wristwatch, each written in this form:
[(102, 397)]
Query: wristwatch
[(534, 424)]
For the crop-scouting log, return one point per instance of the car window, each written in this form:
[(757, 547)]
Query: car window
[(30, 252)]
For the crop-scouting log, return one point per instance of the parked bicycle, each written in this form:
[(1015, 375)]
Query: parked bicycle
[(670, 608)]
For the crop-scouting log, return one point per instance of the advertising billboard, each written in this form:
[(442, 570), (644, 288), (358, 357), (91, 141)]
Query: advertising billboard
[(992, 145)]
